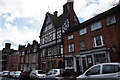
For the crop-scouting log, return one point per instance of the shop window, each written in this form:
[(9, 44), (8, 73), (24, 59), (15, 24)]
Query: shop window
[(53, 64), (69, 62), (100, 58)]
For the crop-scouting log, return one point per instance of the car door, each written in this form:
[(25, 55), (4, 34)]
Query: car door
[(110, 71), (93, 73)]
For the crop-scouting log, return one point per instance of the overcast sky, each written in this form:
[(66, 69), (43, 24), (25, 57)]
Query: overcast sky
[(21, 20)]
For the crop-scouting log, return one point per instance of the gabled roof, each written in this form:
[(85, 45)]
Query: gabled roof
[(105, 14), (56, 21)]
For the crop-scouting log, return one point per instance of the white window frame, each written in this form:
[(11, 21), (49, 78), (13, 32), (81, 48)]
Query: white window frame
[(111, 20), (96, 26), (71, 48), (95, 41), (83, 31), (70, 37), (81, 47)]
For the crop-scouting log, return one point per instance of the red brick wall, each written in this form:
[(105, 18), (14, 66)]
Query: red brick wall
[(111, 37)]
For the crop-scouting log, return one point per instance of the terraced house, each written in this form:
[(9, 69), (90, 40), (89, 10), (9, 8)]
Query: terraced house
[(51, 41), (94, 41)]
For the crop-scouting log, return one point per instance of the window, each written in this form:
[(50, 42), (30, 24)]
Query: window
[(22, 60), (34, 58), (53, 64), (21, 67), (96, 26), (35, 50), (69, 62), (98, 41), (82, 45), (70, 47), (28, 51), (110, 69), (27, 59), (23, 52), (83, 31), (93, 71), (111, 20), (70, 37), (100, 58)]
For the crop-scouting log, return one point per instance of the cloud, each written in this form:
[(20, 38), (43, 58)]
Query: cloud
[(87, 9), (15, 36), (13, 12)]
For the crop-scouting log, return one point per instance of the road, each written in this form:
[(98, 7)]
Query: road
[(5, 78)]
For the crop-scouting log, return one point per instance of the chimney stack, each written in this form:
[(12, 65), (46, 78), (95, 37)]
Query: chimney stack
[(68, 6), (55, 13), (7, 45)]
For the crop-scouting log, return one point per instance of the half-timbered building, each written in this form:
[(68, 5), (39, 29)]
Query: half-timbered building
[(51, 42)]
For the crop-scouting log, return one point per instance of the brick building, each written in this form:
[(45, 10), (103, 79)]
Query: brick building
[(29, 57), (94, 41), (5, 52), (13, 61), (51, 41)]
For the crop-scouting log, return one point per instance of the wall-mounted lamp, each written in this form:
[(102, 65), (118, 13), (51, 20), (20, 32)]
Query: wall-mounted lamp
[(114, 48)]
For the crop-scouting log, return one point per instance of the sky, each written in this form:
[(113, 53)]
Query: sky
[(21, 20)]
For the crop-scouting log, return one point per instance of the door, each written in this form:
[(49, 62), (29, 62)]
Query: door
[(84, 66), (77, 64)]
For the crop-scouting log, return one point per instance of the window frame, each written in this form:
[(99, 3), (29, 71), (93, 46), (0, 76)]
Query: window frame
[(70, 37), (95, 45), (111, 20), (96, 26), (82, 46), (83, 31), (71, 48)]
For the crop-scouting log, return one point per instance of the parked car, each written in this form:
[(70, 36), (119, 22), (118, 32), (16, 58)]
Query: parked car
[(24, 75), (5, 73), (10, 74), (16, 74), (60, 74), (102, 72), (37, 74)]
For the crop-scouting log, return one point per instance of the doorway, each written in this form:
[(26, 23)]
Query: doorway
[(84, 65)]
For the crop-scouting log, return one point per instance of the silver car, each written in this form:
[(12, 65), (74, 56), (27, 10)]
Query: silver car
[(60, 74), (16, 74), (37, 74), (102, 71)]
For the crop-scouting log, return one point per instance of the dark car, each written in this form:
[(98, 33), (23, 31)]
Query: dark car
[(24, 75), (60, 74)]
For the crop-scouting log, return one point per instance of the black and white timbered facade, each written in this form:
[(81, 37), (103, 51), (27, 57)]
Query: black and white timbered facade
[(51, 43)]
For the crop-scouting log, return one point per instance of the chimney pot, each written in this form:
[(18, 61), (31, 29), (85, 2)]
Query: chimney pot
[(55, 13)]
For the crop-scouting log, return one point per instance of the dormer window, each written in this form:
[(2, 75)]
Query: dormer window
[(111, 20)]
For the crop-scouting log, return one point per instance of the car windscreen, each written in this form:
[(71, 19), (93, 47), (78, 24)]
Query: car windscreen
[(41, 72)]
